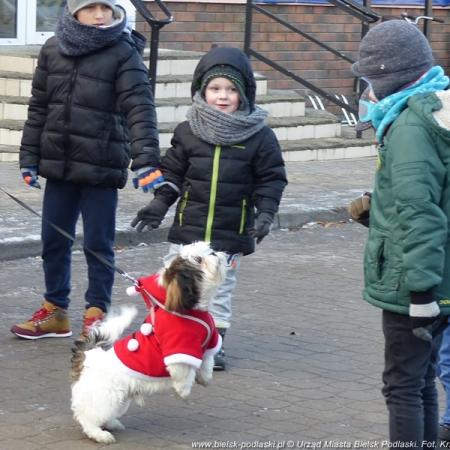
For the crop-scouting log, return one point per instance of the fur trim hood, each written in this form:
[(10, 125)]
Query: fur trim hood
[(434, 109)]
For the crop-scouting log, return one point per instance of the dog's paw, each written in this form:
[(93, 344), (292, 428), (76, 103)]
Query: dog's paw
[(203, 380), (114, 425), (183, 391), (101, 436)]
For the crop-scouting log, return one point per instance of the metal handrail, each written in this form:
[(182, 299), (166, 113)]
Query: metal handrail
[(363, 12), (155, 25)]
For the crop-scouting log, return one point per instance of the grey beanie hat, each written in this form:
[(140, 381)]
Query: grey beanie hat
[(75, 5), (391, 55)]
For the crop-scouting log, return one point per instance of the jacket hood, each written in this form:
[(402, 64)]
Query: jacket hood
[(434, 108), (230, 56), (138, 41)]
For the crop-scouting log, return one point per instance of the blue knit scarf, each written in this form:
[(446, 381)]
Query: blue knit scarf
[(384, 112)]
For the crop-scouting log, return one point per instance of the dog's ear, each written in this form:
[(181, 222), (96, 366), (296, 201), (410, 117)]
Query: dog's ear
[(182, 280)]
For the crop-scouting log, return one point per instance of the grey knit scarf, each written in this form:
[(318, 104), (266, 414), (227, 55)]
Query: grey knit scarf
[(217, 127), (76, 39)]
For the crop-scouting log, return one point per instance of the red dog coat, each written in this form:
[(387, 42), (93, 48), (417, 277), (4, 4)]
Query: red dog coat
[(166, 338)]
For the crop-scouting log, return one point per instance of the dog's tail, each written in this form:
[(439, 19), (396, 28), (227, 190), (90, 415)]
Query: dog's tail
[(102, 335)]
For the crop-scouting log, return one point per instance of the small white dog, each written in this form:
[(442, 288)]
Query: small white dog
[(174, 347)]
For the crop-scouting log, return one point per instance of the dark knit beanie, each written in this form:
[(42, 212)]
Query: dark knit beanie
[(391, 55), (229, 72)]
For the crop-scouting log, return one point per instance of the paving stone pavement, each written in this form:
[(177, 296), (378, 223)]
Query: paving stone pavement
[(317, 190), (304, 352)]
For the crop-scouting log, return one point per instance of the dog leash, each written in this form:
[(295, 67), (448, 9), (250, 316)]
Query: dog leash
[(151, 302), (149, 299), (71, 238)]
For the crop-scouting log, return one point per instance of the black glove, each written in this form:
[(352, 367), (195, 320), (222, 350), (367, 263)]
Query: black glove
[(262, 227), (151, 216), (424, 314)]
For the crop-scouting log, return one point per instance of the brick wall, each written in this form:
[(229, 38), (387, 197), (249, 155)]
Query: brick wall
[(198, 25)]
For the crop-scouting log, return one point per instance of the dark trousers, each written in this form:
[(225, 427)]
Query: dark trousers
[(63, 203), (409, 383)]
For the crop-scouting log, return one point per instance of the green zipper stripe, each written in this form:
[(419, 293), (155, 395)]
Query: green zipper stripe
[(213, 194), (182, 206), (243, 215)]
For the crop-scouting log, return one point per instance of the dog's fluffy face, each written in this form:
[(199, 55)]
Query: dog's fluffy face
[(192, 277)]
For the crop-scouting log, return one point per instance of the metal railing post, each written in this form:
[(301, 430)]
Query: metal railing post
[(153, 57), (365, 24), (156, 25), (428, 11), (248, 27)]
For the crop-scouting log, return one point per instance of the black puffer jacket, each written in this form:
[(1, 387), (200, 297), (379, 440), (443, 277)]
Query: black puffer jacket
[(84, 113), (221, 186)]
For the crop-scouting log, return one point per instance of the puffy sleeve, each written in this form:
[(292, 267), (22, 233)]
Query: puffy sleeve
[(30, 148), (137, 104), (269, 174)]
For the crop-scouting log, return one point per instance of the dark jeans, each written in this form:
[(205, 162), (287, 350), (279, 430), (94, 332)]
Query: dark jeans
[(63, 203), (409, 383)]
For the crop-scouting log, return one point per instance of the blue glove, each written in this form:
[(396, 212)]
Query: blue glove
[(148, 178), (29, 175)]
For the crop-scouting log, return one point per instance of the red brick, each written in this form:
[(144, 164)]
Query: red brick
[(198, 25)]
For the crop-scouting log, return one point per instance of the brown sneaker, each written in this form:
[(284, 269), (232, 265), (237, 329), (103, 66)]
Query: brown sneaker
[(49, 321), (91, 316)]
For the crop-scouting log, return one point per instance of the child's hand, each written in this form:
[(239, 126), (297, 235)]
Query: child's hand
[(148, 178), (424, 314), (150, 216), (262, 227), (29, 175), (359, 209)]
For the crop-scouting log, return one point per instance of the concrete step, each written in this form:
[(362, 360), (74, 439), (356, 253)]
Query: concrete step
[(9, 153), (277, 103), (15, 84), (174, 71), (18, 84), (170, 62), (174, 62), (285, 128), (327, 149), (293, 151), (314, 124)]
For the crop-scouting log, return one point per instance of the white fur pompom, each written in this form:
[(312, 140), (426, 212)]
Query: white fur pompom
[(146, 329), (133, 345)]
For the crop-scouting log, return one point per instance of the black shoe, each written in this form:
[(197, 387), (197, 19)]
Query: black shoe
[(444, 432), (219, 361)]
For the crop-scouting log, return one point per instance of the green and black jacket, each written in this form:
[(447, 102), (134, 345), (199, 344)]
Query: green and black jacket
[(408, 249), (220, 187)]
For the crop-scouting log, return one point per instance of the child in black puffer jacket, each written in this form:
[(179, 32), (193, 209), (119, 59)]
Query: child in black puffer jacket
[(225, 166), (90, 98)]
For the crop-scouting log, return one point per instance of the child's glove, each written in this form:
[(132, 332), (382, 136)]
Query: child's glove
[(359, 209), (29, 175), (148, 178), (150, 216), (424, 313), (263, 224)]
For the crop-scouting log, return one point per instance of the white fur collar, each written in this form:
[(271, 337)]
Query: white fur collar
[(442, 116)]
